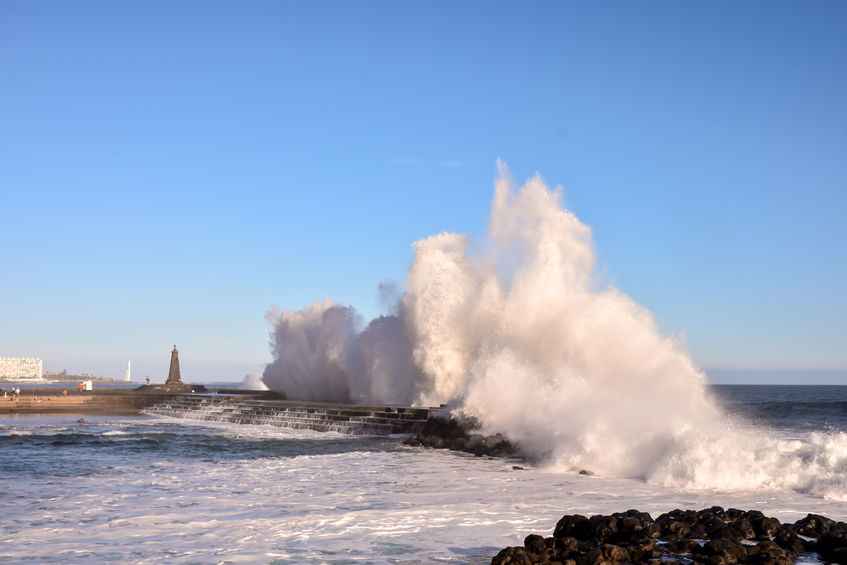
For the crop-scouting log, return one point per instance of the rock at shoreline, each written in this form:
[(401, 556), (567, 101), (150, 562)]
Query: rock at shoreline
[(711, 536), (462, 434)]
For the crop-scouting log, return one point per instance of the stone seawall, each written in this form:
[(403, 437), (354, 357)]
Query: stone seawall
[(54, 402), (344, 418)]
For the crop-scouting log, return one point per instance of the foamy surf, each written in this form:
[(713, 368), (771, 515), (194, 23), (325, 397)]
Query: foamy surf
[(202, 493)]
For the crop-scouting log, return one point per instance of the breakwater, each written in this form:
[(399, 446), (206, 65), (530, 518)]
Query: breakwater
[(55, 402), (324, 417)]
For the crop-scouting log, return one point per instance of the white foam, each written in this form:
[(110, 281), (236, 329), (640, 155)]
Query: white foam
[(412, 504)]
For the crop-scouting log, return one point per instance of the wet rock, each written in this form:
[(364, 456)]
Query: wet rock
[(832, 545), (745, 528), (733, 514), (644, 550), (573, 526), (565, 547), (606, 553), (682, 546), (721, 551), (534, 543), (787, 539), (813, 525), (712, 536), (765, 528), (730, 532), (769, 553), (512, 556), (461, 434)]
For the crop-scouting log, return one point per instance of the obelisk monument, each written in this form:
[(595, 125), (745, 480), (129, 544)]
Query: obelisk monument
[(174, 378)]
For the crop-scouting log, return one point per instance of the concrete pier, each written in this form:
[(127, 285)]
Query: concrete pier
[(54, 402), (344, 418)]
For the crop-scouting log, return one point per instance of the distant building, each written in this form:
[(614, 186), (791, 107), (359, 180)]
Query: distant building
[(21, 369)]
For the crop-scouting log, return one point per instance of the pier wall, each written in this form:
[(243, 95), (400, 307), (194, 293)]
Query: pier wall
[(53, 402), (344, 418)]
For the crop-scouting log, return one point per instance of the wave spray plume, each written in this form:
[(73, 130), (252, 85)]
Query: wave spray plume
[(525, 337)]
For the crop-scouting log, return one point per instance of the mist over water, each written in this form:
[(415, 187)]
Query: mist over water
[(524, 336)]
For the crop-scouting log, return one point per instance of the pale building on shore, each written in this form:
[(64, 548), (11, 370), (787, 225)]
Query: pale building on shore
[(21, 369)]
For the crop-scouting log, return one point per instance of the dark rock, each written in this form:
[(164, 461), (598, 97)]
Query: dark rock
[(518, 468), (457, 444), (643, 550), (604, 528), (675, 530), (766, 528), (733, 514), (722, 551), (712, 536), (574, 526), (716, 511), (606, 553), (787, 539), (768, 553), (565, 547), (813, 525), (730, 532), (512, 556), (682, 546), (745, 528), (838, 555), (832, 544), (534, 543), (585, 472)]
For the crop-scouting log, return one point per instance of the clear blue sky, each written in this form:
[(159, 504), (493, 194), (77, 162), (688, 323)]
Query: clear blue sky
[(170, 170)]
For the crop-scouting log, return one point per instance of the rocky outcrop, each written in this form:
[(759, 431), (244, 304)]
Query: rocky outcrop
[(462, 434), (711, 536)]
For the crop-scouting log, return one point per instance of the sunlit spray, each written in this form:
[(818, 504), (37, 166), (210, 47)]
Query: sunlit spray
[(524, 336)]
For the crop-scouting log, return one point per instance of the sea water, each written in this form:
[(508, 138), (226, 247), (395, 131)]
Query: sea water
[(97, 489)]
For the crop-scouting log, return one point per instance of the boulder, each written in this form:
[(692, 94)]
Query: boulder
[(722, 551), (711, 536), (813, 525), (832, 545), (512, 556)]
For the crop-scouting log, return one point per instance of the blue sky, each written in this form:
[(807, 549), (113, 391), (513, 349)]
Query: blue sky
[(170, 170)]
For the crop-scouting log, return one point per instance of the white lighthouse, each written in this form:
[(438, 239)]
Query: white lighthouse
[(128, 375)]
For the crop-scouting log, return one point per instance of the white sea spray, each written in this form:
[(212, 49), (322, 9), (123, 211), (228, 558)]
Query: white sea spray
[(526, 337)]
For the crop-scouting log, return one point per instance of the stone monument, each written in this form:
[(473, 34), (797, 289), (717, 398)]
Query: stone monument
[(174, 377), (174, 383)]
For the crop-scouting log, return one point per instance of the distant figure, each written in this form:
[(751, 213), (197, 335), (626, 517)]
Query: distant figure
[(148, 380)]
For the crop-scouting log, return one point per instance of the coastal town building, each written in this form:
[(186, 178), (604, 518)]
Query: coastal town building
[(21, 369)]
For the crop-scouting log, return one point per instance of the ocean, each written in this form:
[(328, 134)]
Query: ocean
[(155, 490)]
